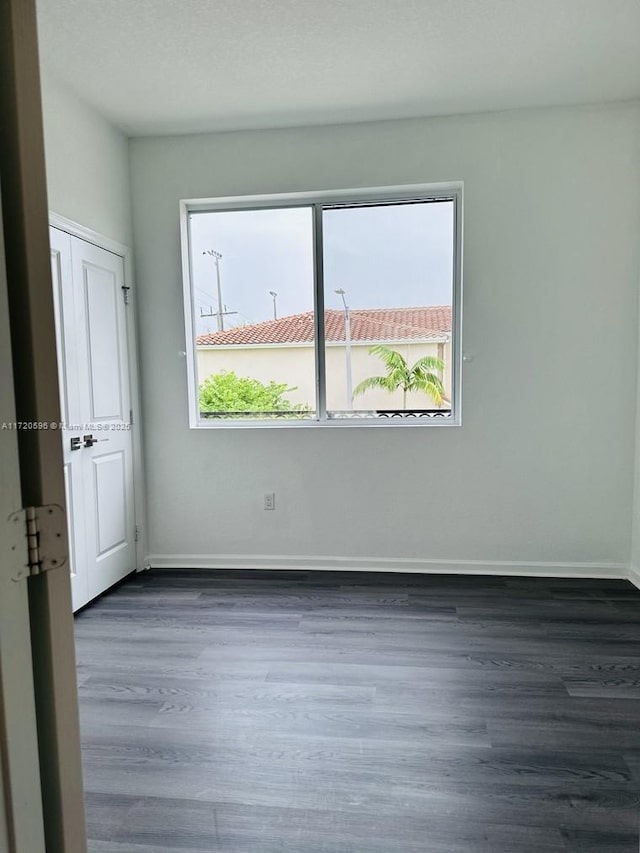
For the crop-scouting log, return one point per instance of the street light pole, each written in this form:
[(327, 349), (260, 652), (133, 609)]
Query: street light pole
[(347, 339), (220, 312), (274, 296)]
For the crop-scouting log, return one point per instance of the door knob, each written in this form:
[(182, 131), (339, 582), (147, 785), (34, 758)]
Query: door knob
[(89, 440), (76, 443)]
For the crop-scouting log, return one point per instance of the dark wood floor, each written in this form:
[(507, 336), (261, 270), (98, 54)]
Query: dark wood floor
[(353, 713)]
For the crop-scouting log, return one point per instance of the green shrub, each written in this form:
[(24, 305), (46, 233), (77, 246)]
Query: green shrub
[(227, 392)]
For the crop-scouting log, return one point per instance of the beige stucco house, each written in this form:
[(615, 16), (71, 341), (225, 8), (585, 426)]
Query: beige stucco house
[(283, 350)]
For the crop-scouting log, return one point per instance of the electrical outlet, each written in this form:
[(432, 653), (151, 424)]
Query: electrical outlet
[(270, 500)]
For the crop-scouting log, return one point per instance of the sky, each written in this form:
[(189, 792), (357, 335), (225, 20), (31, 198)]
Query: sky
[(383, 256)]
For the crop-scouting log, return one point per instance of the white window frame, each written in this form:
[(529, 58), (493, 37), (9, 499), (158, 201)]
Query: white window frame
[(316, 201)]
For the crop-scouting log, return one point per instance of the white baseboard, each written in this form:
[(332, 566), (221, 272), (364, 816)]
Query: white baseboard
[(384, 564), (634, 575)]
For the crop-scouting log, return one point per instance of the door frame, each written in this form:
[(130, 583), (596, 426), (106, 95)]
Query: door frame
[(37, 401), (75, 229), (21, 818)]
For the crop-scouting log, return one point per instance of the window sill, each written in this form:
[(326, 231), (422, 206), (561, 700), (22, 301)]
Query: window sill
[(437, 422)]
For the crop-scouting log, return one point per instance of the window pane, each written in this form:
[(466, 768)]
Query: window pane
[(388, 292), (252, 279)]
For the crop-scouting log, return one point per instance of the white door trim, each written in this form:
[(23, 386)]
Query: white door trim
[(84, 233), (124, 252)]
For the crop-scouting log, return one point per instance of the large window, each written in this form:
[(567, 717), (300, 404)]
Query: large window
[(329, 308)]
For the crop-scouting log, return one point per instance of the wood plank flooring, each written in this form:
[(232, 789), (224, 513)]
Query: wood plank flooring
[(361, 713)]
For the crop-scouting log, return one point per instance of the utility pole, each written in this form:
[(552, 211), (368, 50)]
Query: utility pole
[(220, 313), (347, 339), (274, 296)]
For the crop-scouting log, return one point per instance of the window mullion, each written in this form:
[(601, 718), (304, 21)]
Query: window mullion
[(318, 278)]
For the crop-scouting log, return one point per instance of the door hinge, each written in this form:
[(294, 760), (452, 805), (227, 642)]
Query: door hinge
[(125, 292), (40, 533), (137, 535)]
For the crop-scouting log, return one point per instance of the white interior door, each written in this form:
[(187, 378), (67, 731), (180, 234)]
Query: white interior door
[(98, 278), (71, 410), (94, 366)]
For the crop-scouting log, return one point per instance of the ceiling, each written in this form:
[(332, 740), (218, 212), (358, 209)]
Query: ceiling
[(181, 66)]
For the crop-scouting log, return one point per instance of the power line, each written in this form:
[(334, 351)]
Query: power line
[(204, 292)]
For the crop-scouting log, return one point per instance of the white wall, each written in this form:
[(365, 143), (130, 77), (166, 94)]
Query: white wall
[(87, 164), (537, 473)]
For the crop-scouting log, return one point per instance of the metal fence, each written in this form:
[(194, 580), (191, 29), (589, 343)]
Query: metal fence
[(351, 414)]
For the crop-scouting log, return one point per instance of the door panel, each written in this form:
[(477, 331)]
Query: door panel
[(107, 442), (71, 409), (61, 257), (72, 526), (102, 293), (111, 496), (93, 364), (110, 520)]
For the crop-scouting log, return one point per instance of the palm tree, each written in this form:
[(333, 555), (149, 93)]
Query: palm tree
[(419, 377)]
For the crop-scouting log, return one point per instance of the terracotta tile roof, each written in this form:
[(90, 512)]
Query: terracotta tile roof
[(373, 324)]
